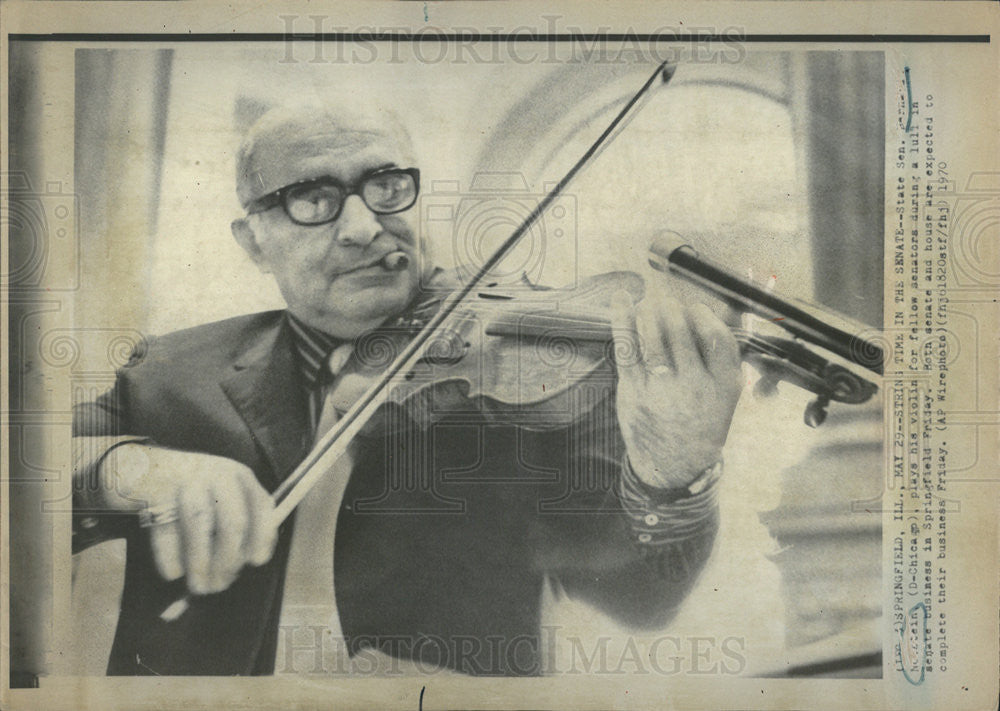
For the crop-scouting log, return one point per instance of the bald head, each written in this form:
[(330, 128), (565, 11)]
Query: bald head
[(299, 142), (332, 273)]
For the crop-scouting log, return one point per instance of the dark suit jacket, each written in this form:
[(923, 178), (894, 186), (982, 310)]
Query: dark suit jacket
[(446, 532)]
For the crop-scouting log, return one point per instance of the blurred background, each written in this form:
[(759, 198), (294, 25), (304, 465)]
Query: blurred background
[(769, 162)]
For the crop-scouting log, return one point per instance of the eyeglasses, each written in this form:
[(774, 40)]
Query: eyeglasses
[(320, 200)]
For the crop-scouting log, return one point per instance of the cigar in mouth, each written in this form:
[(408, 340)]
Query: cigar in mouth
[(396, 261)]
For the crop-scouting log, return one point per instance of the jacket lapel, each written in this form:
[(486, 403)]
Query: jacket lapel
[(264, 388)]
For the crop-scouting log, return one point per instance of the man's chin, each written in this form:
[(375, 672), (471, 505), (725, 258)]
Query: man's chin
[(372, 301)]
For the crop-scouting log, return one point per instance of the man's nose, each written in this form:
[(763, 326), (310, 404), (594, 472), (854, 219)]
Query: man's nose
[(357, 224)]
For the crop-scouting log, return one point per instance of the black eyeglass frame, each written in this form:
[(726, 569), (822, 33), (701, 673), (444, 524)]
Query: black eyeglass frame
[(279, 196)]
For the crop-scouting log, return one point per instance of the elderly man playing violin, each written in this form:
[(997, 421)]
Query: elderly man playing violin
[(182, 455)]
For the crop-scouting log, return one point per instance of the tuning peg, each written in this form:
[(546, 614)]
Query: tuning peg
[(815, 414), (766, 386)]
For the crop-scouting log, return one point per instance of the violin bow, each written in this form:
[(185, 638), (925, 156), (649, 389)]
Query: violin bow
[(333, 444)]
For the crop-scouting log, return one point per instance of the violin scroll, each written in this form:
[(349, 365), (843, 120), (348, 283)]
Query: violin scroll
[(778, 359)]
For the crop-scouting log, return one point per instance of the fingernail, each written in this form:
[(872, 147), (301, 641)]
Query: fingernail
[(175, 610)]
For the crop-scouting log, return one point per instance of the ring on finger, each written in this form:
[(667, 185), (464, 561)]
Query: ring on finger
[(158, 515)]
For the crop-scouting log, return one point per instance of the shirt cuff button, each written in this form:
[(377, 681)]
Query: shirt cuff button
[(651, 519), (645, 538)]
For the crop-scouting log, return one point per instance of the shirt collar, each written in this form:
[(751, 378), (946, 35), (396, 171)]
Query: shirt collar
[(312, 347)]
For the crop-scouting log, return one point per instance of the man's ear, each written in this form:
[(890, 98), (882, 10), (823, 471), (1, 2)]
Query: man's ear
[(247, 239)]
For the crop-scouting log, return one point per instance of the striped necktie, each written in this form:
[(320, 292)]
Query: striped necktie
[(310, 638)]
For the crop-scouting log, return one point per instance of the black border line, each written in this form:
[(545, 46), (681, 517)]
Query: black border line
[(437, 36)]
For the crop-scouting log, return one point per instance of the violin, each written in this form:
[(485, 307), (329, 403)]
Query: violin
[(523, 353), (500, 352)]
